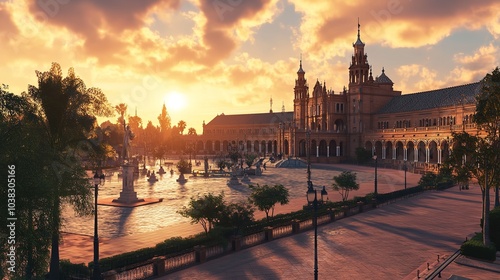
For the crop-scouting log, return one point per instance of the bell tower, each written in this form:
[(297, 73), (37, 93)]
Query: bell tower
[(301, 95), (359, 69)]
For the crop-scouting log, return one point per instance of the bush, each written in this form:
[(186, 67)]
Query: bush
[(73, 271), (363, 155), (475, 248), (495, 226), (444, 185)]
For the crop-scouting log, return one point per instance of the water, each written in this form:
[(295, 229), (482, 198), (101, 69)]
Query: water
[(121, 221)]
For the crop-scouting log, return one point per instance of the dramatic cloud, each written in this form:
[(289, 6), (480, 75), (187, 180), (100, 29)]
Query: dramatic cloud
[(327, 25), (234, 55)]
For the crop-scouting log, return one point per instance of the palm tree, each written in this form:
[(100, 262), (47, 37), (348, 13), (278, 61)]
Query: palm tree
[(121, 109), (66, 110), (181, 125), (192, 131)]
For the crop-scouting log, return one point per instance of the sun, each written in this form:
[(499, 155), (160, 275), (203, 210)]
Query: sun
[(175, 101)]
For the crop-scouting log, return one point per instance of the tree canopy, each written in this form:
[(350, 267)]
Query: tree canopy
[(265, 197), (344, 183), (477, 156), (205, 210)]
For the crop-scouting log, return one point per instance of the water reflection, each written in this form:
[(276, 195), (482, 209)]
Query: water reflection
[(118, 221)]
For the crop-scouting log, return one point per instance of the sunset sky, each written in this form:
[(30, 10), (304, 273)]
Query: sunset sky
[(205, 58)]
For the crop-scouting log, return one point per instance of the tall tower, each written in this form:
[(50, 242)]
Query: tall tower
[(359, 69), (301, 95)]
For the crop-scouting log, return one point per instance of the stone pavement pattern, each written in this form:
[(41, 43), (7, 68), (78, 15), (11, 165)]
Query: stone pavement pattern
[(386, 243)]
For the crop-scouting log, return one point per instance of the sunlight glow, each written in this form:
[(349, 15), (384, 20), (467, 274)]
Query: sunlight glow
[(175, 101)]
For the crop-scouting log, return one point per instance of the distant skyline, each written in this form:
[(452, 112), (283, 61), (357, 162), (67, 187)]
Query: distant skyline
[(204, 58)]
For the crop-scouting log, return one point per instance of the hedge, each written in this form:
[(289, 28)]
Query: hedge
[(476, 249)]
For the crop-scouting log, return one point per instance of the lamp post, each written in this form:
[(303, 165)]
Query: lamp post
[(405, 167), (97, 271), (312, 198), (375, 158), (308, 150)]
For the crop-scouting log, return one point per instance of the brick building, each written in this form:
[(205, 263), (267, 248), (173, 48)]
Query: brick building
[(369, 113)]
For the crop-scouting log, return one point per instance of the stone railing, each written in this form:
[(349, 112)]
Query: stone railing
[(200, 254)]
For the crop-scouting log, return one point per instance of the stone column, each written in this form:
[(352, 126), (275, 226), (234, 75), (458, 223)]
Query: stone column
[(236, 243), (394, 153), (317, 151), (159, 266), (338, 151), (328, 151), (268, 232), (295, 226), (427, 154), (415, 154), (200, 253), (405, 153), (383, 152)]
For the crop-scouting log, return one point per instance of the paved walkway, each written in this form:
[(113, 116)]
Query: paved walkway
[(390, 242)]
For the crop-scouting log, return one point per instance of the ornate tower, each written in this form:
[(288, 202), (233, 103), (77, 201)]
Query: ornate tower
[(359, 69), (301, 95)]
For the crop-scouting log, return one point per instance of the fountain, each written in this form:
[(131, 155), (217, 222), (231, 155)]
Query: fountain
[(128, 197)]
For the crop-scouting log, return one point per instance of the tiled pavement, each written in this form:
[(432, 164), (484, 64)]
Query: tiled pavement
[(390, 242)]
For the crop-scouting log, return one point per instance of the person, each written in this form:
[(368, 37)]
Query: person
[(265, 166), (171, 172)]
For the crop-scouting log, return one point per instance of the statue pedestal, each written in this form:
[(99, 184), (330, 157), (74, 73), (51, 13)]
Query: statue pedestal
[(233, 181), (128, 195), (181, 179), (245, 179)]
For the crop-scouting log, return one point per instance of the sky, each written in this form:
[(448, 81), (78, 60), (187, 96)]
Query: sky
[(204, 58)]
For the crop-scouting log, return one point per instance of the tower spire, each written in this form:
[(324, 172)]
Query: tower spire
[(358, 28), (271, 105), (300, 71)]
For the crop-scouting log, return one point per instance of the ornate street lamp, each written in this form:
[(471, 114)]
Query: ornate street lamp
[(97, 271), (376, 162), (312, 199), (308, 150)]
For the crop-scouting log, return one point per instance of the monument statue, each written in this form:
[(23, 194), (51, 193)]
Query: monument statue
[(127, 136)]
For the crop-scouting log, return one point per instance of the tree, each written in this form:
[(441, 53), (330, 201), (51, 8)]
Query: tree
[(159, 152), (192, 131), (121, 109), (66, 110), (487, 117), (164, 120), (24, 153), (476, 156), (183, 166), (206, 210), (428, 180), (265, 197), (249, 159), (363, 155), (181, 125), (151, 137), (344, 183), (237, 216)]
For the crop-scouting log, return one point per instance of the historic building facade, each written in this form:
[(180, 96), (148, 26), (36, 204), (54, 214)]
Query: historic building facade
[(412, 128)]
